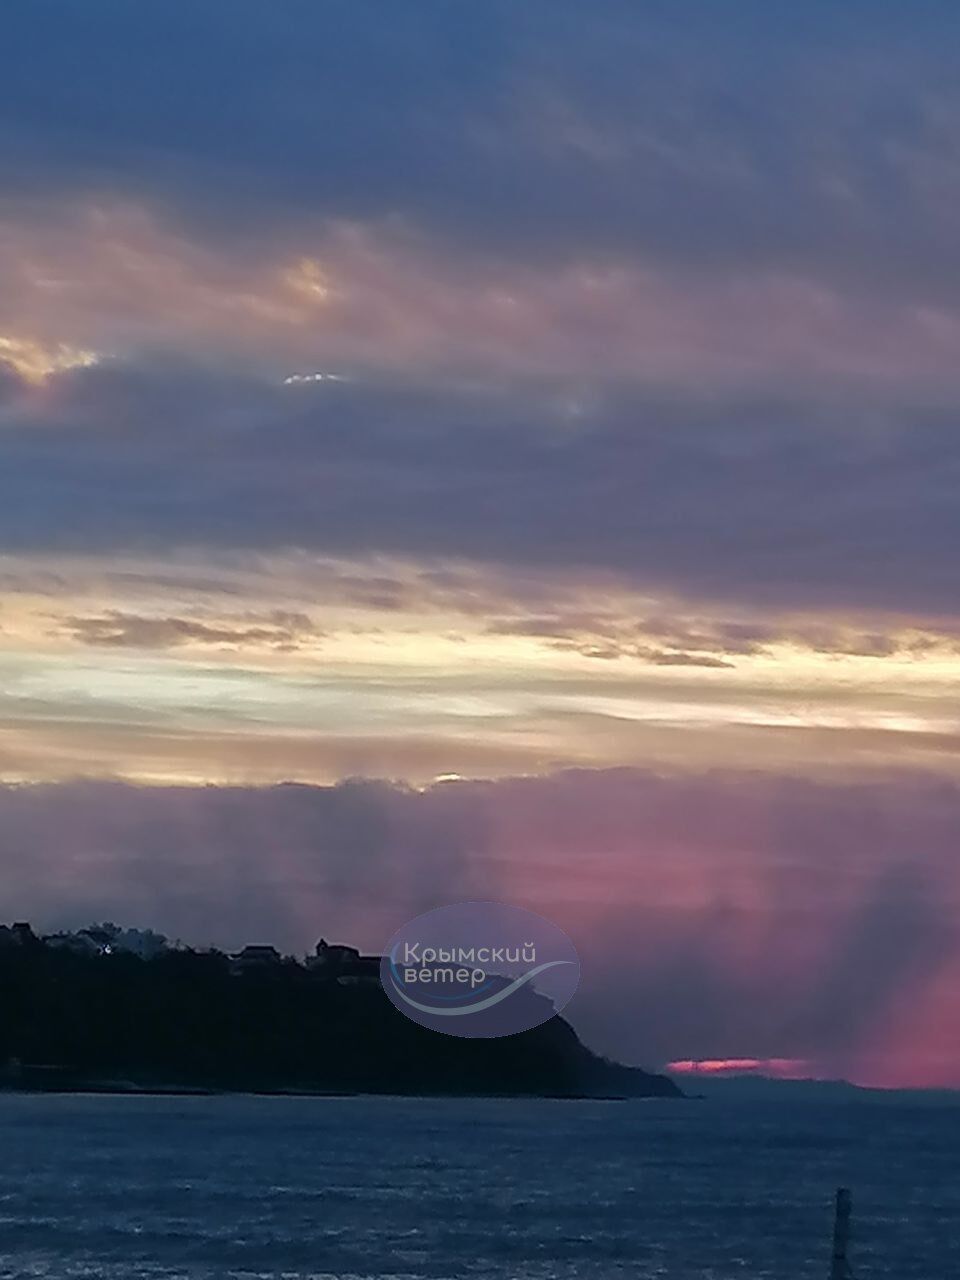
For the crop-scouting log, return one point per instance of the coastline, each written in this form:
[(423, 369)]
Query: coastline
[(125, 1088)]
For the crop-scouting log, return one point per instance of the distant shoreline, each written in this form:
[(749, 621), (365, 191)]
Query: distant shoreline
[(124, 1090)]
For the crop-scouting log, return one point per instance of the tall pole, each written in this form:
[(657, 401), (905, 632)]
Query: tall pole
[(840, 1267)]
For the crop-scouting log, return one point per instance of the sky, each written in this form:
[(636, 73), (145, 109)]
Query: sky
[(500, 450)]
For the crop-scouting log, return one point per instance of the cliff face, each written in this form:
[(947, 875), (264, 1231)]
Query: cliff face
[(188, 1019)]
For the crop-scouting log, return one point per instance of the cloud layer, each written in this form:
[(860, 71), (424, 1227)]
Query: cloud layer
[(724, 916), (793, 503), (825, 140)]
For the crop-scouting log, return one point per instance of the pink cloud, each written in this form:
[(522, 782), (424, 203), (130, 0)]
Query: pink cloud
[(117, 279), (720, 917)]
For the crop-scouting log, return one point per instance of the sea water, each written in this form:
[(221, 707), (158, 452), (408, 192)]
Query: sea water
[(134, 1187)]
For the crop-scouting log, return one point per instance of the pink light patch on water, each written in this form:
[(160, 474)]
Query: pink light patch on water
[(779, 1068)]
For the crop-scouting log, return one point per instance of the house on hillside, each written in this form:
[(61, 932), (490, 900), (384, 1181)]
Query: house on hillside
[(255, 958), (345, 965)]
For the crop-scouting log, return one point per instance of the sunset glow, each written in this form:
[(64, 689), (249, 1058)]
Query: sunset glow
[(775, 1068), (450, 470)]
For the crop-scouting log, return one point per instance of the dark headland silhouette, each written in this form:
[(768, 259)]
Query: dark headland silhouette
[(113, 1009)]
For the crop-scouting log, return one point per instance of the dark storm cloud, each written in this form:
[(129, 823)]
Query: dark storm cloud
[(819, 139), (791, 503)]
